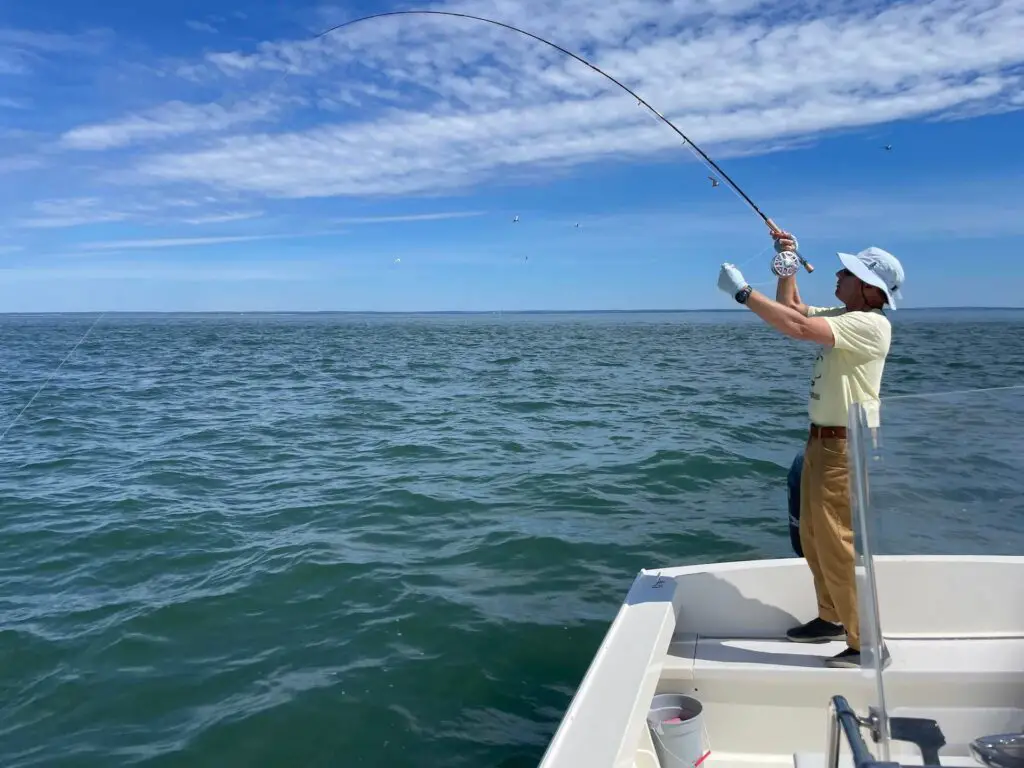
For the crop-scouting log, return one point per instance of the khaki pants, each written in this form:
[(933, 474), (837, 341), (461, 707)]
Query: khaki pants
[(826, 532)]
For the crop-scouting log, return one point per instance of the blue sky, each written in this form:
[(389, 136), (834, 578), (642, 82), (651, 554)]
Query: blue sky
[(214, 156)]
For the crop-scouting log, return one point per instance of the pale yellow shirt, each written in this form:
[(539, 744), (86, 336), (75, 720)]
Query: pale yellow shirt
[(851, 371)]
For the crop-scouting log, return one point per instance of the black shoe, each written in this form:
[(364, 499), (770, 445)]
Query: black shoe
[(817, 631), (847, 659), (850, 659)]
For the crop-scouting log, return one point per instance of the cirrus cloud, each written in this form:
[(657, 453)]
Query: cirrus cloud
[(413, 104)]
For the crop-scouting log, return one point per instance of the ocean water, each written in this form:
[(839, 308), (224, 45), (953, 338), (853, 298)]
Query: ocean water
[(386, 540)]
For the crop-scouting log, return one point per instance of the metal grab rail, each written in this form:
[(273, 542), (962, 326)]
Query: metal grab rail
[(923, 732), (842, 716)]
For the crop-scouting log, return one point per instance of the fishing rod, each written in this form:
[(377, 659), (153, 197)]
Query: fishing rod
[(687, 142)]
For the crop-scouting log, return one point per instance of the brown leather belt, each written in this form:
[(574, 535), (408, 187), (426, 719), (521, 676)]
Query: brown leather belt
[(828, 432)]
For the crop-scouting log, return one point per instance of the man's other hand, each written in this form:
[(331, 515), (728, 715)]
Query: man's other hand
[(730, 280)]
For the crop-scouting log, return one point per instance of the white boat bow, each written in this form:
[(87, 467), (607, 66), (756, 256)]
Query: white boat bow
[(940, 575)]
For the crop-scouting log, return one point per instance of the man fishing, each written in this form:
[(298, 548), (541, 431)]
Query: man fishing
[(853, 343)]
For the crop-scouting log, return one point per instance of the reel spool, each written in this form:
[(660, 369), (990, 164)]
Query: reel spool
[(785, 264)]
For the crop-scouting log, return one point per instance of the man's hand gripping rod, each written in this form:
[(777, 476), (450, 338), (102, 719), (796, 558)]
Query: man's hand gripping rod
[(776, 231)]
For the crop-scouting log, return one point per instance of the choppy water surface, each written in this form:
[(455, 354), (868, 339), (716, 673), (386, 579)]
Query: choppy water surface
[(342, 540)]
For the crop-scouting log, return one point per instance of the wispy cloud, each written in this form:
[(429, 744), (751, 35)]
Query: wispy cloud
[(222, 218), (449, 103), (171, 242), (167, 120), (22, 50), (444, 104), (201, 26), (410, 217), (19, 163), (158, 272), (184, 242), (70, 212), (145, 209)]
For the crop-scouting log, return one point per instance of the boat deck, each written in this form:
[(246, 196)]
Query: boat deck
[(773, 693), (973, 656), (954, 628)]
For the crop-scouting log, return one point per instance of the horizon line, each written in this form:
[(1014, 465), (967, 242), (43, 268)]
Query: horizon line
[(955, 308)]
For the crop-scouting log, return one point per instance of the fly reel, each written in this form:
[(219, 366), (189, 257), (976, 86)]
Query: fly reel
[(785, 264)]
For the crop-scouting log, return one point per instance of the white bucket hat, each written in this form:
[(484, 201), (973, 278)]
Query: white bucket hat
[(878, 268)]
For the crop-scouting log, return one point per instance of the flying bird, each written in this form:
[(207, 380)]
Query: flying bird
[(714, 181), (887, 147), (514, 220)]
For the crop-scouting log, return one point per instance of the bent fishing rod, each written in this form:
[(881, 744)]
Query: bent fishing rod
[(687, 142)]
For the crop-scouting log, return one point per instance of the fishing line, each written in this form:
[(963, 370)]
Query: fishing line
[(687, 142), (925, 395), (52, 374), (755, 256)]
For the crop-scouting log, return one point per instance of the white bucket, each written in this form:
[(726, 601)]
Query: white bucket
[(675, 723)]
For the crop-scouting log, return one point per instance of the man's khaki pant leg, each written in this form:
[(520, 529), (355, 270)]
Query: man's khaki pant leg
[(810, 501), (826, 533)]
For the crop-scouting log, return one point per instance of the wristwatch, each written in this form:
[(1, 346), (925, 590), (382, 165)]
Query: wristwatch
[(744, 294)]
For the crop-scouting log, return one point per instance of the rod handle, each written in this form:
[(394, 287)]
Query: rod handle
[(776, 231)]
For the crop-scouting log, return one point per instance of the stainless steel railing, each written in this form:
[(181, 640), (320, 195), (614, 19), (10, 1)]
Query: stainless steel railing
[(842, 718), (922, 732)]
